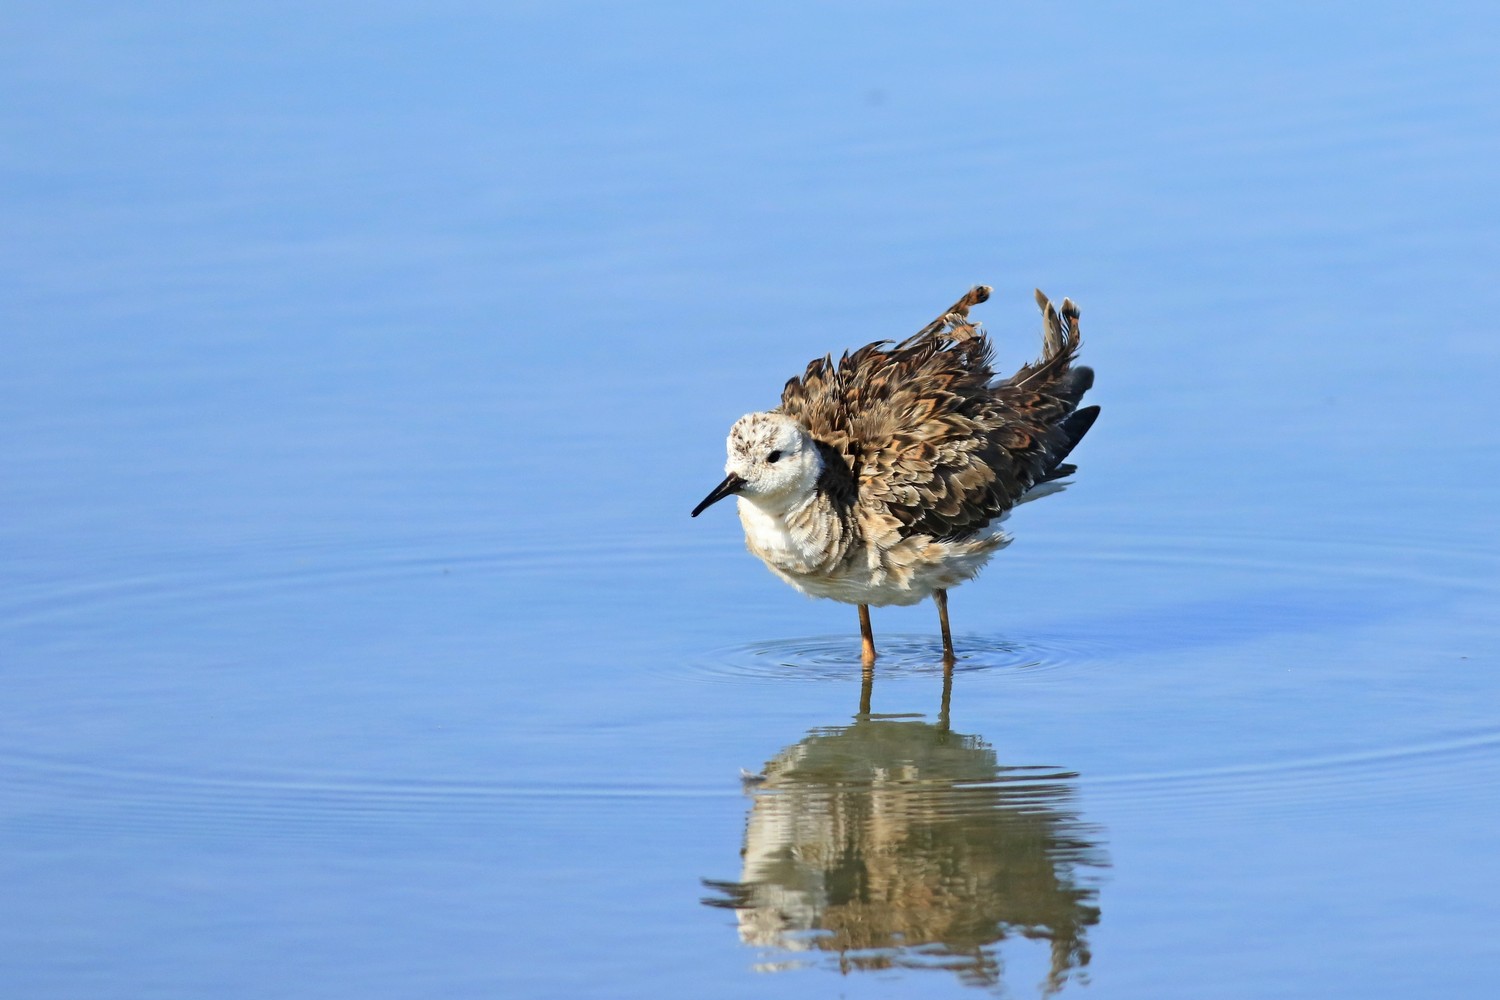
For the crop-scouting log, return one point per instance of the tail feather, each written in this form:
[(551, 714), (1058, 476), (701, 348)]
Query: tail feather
[(1060, 342), (955, 317), (1052, 326)]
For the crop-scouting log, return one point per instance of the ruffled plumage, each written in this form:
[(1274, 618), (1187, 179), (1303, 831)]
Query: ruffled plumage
[(923, 442)]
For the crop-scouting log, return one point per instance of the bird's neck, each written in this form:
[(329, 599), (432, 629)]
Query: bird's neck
[(807, 534)]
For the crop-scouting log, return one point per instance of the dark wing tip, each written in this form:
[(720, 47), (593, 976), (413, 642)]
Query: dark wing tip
[(1078, 423)]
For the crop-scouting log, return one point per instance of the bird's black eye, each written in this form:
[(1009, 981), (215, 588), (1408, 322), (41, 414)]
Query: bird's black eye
[(774, 456)]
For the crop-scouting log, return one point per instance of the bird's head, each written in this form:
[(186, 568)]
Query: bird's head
[(773, 462)]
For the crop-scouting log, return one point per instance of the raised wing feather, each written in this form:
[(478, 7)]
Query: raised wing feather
[(923, 436)]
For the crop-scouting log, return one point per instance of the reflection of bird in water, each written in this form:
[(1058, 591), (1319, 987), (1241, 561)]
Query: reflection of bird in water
[(883, 479), (897, 843)]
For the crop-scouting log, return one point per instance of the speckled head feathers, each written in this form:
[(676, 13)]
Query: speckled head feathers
[(775, 457)]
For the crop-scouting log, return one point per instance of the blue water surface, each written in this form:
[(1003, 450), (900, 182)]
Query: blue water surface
[(363, 361)]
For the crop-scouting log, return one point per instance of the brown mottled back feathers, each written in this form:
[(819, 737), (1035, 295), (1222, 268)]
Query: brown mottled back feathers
[(924, 437)]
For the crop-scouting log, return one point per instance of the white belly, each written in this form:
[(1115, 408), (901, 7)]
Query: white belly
[(944, 565), (905, 573)]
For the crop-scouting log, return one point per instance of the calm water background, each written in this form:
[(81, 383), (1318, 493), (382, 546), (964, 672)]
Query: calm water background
[(361, 366)]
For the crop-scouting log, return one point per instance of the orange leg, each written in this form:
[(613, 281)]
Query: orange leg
[(940, 598), (866, 638)]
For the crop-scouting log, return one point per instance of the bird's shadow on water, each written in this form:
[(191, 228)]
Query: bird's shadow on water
[(894, 843)]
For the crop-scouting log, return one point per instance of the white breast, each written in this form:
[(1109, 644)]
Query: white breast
[(768, 536), (904, 574)]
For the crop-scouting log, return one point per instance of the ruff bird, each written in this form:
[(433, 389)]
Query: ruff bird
[(883, 479)]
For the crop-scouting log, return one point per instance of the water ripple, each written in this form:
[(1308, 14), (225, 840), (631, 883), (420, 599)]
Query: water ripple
[(41, 791), (837, 658), (44, 794), (1434, 766)]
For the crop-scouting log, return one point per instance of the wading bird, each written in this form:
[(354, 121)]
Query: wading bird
[(883, 479)]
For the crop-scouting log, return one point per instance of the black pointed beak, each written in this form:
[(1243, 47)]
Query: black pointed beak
[(732, 484)]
